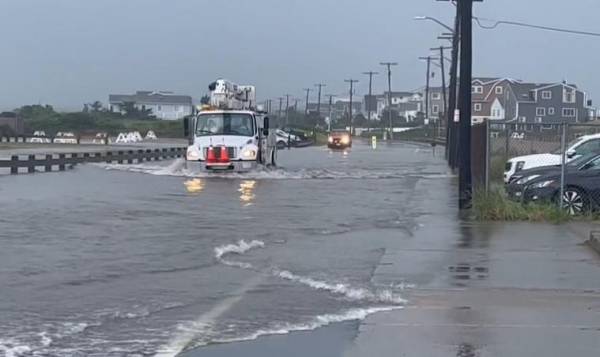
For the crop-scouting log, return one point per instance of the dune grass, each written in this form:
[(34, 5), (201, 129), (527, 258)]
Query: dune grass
[(495, 206)]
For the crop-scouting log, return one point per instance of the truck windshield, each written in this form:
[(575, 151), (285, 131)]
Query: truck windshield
[(225, 124)]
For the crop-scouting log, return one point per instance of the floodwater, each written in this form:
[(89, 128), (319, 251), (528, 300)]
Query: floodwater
[(144, 260)]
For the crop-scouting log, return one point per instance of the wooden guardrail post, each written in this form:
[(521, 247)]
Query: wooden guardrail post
[(48, 166), (156, 154), (165, 154), (140, 156), (97, 157), (14, 168), (61, 162), (109, 157), (130, 157), (31, 162), (120, 155)]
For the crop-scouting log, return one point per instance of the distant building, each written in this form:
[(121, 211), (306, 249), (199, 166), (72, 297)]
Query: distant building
[(164, 105), (11, 123), (525, 104)]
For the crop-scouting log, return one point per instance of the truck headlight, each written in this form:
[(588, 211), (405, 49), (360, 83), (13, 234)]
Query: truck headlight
[(193, 154), (249, 154), (345, 139), (330, 139)]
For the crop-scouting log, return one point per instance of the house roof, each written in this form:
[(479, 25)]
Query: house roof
[(147, 97)]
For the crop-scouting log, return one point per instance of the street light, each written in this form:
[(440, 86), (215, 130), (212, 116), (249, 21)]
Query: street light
[(423, 18)]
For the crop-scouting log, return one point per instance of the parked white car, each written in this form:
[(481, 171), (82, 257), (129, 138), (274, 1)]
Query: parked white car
[(283, 137), (581, 146), (65, 138), (39, 137), (100, 138), (128, 138), (150, 135)]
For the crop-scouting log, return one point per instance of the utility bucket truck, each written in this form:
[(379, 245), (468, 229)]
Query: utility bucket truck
[(230, 133)]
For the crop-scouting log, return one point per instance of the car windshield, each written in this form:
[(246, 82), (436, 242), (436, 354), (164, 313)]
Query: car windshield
[(225, 124), (571, 144), (581, 160)]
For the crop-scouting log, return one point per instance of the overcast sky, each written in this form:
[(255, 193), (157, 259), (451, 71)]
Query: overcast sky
[(67, 52)]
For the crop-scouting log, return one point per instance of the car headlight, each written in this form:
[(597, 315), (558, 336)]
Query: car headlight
[(330, 139), (520, 166), (249, 154), (526, 179), (542, 184), (193, 154), (345, 139)]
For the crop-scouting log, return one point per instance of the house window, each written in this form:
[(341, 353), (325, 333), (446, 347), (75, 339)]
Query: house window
[(477, 89), (551, 111), (538, 120), (540, 112), (569, 112), (436, 109), (435, 96), (568, 96), (477, 107), (547, 127), (523, 119), (546, 94), (499, 90)]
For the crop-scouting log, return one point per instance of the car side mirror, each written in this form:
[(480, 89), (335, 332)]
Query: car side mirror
[(186, 127), (266, 126), (571, 154)]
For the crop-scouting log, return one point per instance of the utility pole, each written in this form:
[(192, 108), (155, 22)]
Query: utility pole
[(466, 66), (319, 85), (428, 59), (389, 74), (369, 98), (351, 81), (330, 106), (307, 95), (280, 107), (287, 110), (452, 129)]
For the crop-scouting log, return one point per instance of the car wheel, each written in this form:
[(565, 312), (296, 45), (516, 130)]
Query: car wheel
[(574, 201), (281, 144)]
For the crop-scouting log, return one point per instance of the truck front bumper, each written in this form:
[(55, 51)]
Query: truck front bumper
[(233, 166)]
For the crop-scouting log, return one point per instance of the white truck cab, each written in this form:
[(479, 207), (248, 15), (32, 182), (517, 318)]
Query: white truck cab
[(230, 134), (581, 146)]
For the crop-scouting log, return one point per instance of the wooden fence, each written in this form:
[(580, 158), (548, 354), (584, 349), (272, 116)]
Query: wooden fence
[(62, 161)]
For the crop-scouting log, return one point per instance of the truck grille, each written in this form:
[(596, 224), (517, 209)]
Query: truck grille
[(230, 150)]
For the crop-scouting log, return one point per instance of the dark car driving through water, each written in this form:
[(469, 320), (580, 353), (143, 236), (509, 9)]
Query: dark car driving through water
[(339, 139)]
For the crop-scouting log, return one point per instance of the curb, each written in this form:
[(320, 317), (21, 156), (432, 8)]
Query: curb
[(594, 241)]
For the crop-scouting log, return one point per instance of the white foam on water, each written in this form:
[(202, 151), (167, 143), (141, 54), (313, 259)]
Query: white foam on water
[(315, 323), (12, 348), (351, 293), (240, 248), (177, 168)]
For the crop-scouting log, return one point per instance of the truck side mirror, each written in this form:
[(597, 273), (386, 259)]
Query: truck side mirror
[(266, 126), (186, 127), (571, 154)]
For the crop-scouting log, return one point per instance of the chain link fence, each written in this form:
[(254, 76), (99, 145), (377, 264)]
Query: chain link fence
[(541, 163)]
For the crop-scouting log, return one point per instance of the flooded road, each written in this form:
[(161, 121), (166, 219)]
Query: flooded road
[(125, 260)]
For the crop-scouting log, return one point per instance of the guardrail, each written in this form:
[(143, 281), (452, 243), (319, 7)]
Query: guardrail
[(62, 161)]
